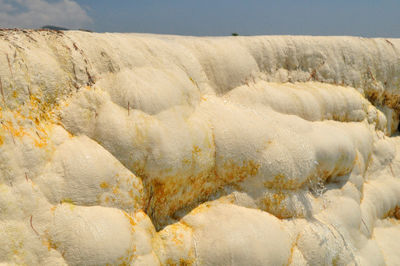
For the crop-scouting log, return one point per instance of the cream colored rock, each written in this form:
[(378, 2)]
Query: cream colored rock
[(164, 150), (240, 240)]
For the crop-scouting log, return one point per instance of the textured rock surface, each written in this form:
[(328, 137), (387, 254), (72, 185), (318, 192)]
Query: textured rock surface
[(148, 150)]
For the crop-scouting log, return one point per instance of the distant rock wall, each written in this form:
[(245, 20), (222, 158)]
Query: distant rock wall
[(165, 150)]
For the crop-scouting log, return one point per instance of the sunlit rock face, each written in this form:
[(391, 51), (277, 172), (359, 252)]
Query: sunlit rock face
[(166, 150)]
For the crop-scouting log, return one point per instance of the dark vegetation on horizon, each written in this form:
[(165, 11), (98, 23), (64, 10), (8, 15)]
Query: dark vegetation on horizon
[(51, 27)]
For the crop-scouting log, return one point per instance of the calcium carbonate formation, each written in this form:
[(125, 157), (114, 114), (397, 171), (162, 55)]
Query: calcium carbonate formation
[(132, 149)]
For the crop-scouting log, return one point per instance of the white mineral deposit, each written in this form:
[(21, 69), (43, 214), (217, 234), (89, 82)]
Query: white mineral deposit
[(140, 149)]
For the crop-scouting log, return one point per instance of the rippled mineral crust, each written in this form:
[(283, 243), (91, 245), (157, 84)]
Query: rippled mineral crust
[(139, 149)]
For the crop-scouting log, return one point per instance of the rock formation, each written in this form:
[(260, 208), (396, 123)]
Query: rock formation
[(164, 150)]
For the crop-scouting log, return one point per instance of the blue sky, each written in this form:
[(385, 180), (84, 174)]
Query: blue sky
[(210, 17)]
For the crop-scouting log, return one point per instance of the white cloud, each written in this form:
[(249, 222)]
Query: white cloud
[(37, 13)]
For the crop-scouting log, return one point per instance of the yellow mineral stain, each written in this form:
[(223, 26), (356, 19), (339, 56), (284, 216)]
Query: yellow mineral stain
[(281, 182), (115, 190), (130, 219), (174, 228), (294, 244), (104, 185), (70, 203), (236, 172), (196, 149), (274, 204)]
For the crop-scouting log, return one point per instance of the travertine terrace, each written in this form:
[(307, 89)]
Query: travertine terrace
[(165, 150)]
